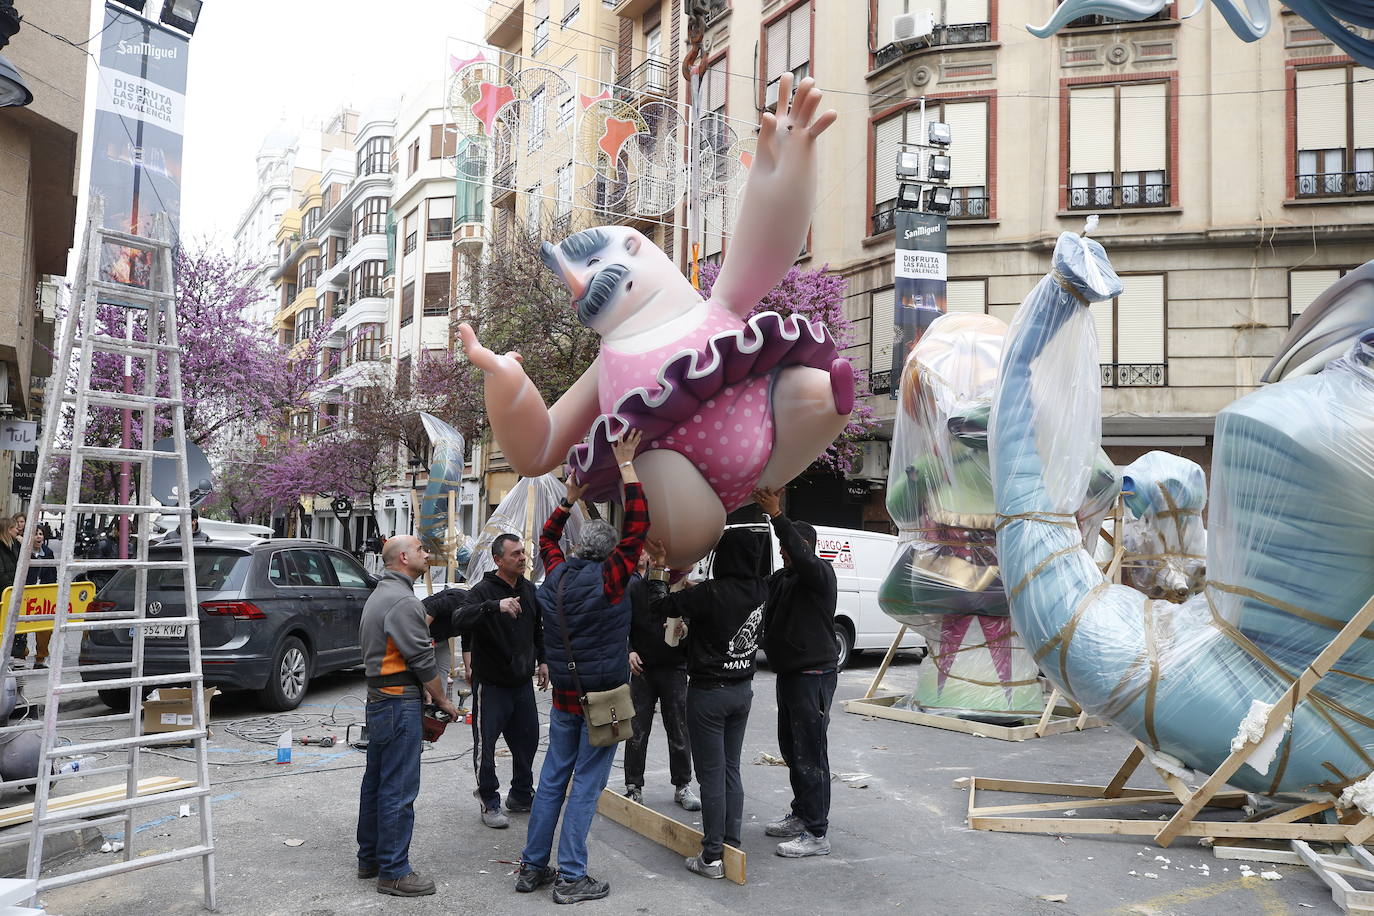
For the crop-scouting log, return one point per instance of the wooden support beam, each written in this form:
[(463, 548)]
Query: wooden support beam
[(1127, 768), (881, 707), (22, 814), (665, 831), (887, 660)]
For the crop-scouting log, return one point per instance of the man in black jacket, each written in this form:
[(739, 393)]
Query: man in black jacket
[(658, 676), (501, 625), (726, 615), (799, 637)]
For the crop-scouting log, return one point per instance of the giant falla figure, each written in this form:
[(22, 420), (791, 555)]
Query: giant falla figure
[(725, 403)]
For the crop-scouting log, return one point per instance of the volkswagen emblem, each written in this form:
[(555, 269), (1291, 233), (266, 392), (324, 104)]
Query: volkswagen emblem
[(154, 608)]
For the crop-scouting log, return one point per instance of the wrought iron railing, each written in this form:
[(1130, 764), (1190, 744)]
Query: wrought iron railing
[(1119, 196), (880, 382), (942, 35), (1333, 184), (504, 179), (1134, 375), (968, 208), (1096, 20), (650, 77), (884, 220)]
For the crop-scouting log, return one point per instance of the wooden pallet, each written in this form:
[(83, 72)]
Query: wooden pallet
[(665, 831), (1055, 721)]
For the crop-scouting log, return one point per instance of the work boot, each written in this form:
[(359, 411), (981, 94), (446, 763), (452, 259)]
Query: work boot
[(699, 866), (532, 877), (791, 825), (685, 797), (806, 844), (517, 807), (367, 872), (412, 885), (493, 818), (635, 794), (584, 888)]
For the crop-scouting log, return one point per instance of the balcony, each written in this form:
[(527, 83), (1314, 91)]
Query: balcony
[(968, 208), (1335, 184), (503, 181), (1119, 197), (504, 23), (1098, 21), (884, 220), (648, 80), (880, 382), (943, 36), (562, 224), (1134, 375)]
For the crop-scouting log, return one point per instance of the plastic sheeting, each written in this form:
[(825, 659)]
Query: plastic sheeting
[(1165, 540), (945, 581), (523, 512), (1290, 554)]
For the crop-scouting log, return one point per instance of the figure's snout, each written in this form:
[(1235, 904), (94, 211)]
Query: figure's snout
[(575, 280)]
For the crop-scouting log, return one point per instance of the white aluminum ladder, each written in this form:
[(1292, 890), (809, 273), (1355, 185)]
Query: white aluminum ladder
[(150, 313)]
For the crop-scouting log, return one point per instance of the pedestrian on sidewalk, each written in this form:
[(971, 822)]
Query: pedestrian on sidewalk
[(41, 575), (724, 616), (658, 675), (9, 568), (582, 599), (501, 626), (398, 654), (799, 637)]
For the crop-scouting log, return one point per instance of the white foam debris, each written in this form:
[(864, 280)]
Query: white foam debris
[(1150, 874), (1251, 731), (1360, 795), (1270, 875)]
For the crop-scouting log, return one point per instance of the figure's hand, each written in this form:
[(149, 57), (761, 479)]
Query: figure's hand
[(636, 665), (575, 489), (485, 359), (770, 501), (510, 607), (657, 552), (792, 132), (624, 448), (541, 677)]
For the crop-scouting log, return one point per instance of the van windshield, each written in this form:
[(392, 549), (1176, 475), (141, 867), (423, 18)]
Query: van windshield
[(215, 572)]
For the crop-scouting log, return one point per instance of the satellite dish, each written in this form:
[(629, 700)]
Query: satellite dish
[(165, 474)]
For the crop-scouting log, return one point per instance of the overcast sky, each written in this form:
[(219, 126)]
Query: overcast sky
[(254, 63)]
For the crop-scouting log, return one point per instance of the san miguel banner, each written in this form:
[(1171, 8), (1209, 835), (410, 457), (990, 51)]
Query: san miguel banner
[(136, 147), (918, 276)]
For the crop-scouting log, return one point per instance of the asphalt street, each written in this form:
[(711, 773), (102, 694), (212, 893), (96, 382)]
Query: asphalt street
[(898, 833)]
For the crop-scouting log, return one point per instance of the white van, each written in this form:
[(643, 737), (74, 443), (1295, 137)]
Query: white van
[(861, 560)]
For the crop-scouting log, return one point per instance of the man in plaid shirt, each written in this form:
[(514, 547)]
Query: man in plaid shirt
[(587, 595)]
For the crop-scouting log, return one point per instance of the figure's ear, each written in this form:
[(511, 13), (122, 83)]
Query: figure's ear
[(632, 241)]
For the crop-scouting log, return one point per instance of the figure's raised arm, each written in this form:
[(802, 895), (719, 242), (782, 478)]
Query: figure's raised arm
[(534, 438), (775, 214)]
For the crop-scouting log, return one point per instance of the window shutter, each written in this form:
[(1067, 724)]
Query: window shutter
[(1363, 106), (1321, 109), (1102, 322), (1143, 128), (966, 296), (1140, 320), (436, 291), (958, 12), (1306, 285), (1092, 129), (968, 148), (713, 86), (887, 135), (799, 41), (880, 304), (777, 49), (714, 223)]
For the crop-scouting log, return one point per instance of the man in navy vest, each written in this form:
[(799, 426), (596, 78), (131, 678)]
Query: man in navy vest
[(597, 614)]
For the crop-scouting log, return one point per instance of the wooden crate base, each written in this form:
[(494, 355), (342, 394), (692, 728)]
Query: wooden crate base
[(665, 831), (1062, 719)]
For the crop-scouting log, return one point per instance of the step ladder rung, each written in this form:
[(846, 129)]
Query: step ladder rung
[(126, 564), (114, 683), (127, 622), (141, 242), (132, 293), (120, 344), (93, 771), (109, 820), (115, 868), (110, 744), (124, 401), (118, 509), (81, 812), (107, 453), (36, 724)]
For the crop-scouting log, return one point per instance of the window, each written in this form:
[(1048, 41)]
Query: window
[(312, 219), (1130, 334), (1118, 148), (367, 279), (403, 376), (309, 271), (436, 294), (1335, 131), (413, 158), (443, 141), (565, 112), (968, 151), (715, 142), (1304, 286), (534, 204), (375, 156), (367, 345), (881, 325), (439, 225), (655, 70), (348, 573), (605, 65), (564, 188), (310, 569), (370, 218), (408, 303), (538, 122), (966, 297), (306, 322), (570, 12), (541, 37), (787, 49), (339, 246)]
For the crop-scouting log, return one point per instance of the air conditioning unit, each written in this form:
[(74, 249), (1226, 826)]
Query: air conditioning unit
[(871, 463), (911, 29)]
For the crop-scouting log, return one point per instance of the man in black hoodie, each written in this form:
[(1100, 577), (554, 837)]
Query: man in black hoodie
[(725, 616), (799, 637), (499, 620)]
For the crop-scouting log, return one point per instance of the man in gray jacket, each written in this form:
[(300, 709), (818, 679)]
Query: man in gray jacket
[(399, 656)]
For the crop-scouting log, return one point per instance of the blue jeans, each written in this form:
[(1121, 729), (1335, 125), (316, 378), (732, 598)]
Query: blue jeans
[(386, 805), (569, 756)]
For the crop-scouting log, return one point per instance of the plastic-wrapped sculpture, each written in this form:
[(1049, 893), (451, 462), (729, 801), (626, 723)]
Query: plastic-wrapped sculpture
[(725, 405), (445, 477), (1165, 541), (1249, 19), (1290, 554), (522, 512), (945, 581)]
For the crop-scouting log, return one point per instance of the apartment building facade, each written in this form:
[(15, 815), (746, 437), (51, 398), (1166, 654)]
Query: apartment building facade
[(1234, 181)]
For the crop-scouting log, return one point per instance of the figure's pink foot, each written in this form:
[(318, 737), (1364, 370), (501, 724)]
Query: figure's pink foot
[(842, 385)]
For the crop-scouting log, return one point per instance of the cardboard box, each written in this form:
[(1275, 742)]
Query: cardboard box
[(168, 709)]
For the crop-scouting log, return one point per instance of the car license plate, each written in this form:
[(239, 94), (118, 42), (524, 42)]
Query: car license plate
[(165, 631)]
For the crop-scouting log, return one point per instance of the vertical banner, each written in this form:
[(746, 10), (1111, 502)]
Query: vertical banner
[(918, 277), (136, 139)]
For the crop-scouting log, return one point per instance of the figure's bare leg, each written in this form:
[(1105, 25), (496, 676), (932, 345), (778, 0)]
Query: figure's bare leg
[(684, 512), (805, 418)]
